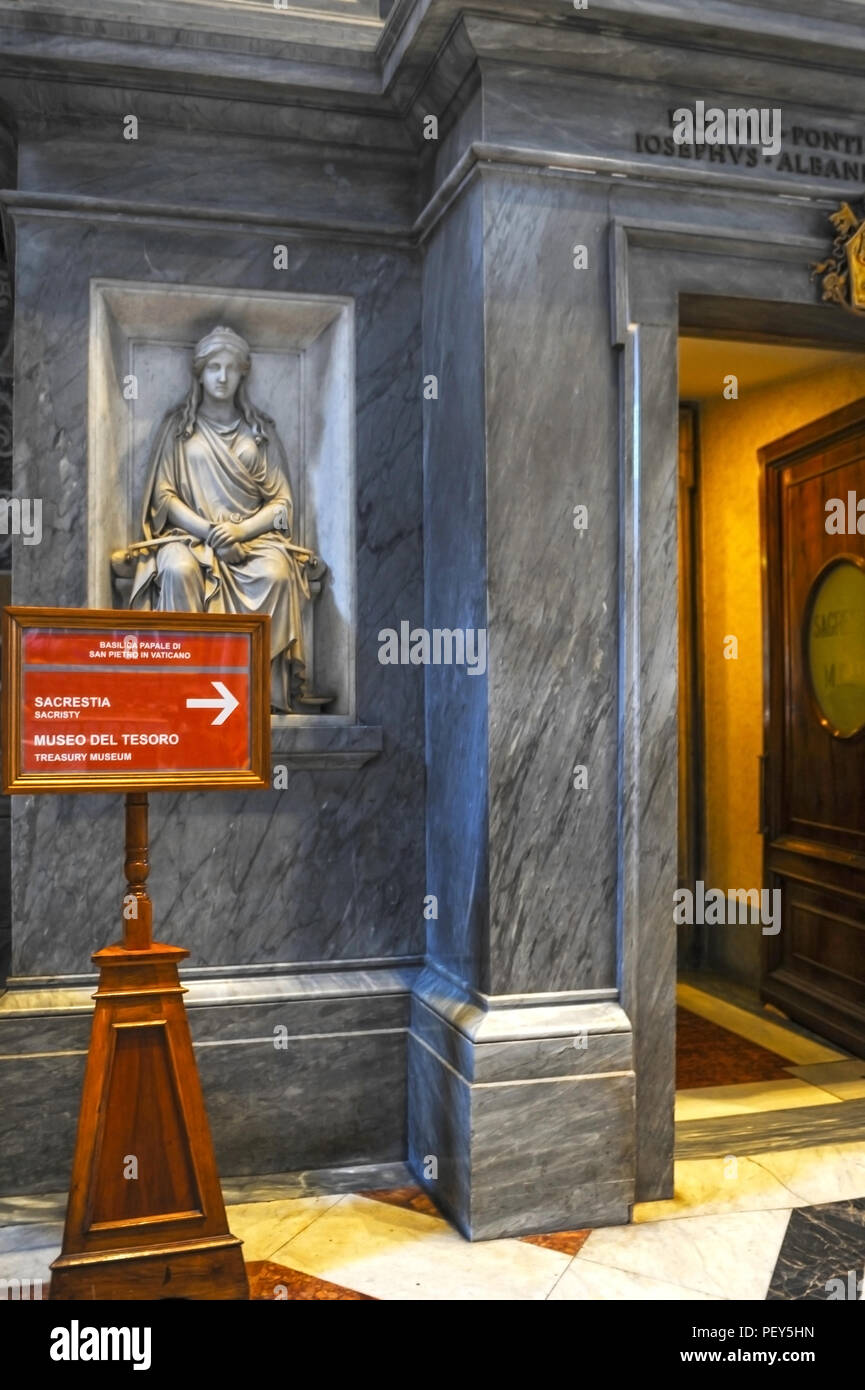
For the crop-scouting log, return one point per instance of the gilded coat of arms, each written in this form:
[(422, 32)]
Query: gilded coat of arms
[(843, 271)]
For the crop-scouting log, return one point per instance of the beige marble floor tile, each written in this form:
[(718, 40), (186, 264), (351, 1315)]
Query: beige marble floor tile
[(774, 1036), (844, 1080), (265, 1226), (846, 1090), (826, 1173), (748, 1098), (28, 1264), (710, 1186), (395, 1253), (729, 1256), (585, 1282)]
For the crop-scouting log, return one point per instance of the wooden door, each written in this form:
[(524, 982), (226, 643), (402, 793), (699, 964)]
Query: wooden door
[(814, 768)]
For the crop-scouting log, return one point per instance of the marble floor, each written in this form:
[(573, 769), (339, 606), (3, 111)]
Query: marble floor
[(769, 1200)]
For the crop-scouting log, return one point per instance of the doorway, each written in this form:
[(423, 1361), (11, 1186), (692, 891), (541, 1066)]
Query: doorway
[(771, 813)]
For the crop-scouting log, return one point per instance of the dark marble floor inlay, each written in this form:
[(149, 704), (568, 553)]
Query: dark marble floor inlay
[(822, 1244), (708, 1055)]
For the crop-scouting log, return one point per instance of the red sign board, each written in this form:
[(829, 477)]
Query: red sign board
[(116, 700)]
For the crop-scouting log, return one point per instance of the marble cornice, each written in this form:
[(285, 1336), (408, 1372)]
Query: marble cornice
[(26, 203), (478, 158), (481, 157), (426, 47)]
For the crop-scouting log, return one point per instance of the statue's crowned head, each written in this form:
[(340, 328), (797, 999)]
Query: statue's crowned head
[(221, 340)]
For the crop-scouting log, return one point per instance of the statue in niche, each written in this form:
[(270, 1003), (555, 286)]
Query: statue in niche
[(218, 514)]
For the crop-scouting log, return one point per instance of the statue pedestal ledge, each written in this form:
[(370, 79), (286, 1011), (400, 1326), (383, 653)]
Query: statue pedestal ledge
[(302, 741)]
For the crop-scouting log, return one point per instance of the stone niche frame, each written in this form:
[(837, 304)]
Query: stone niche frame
[(303, 372), (760, 290)]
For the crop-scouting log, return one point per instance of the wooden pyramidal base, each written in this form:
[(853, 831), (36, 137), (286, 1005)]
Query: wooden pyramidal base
[(145, 1218)]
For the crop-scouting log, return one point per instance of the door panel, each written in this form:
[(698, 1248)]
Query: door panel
[(814, 633)]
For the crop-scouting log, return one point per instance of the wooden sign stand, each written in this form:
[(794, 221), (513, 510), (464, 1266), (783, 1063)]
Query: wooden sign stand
[(145, 1219), (95, 700)]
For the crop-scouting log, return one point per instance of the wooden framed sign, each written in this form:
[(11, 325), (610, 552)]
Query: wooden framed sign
[(113, 700)]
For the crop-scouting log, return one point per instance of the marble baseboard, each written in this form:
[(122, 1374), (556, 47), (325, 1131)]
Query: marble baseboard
[(528, 1134), (332, 1094), (29, 1220), (801, 1127)]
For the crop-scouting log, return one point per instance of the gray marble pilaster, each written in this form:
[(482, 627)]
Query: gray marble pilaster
[(507, 1108)]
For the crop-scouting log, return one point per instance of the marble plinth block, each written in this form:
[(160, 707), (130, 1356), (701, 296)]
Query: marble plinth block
[(523, 1114)]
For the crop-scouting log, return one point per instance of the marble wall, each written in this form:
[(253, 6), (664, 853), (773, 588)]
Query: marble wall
[(7, 171), (523, 865), (330, 869), (535, 1050)]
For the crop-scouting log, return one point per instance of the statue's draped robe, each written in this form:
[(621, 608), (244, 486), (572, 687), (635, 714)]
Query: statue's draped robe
[(224, 475)]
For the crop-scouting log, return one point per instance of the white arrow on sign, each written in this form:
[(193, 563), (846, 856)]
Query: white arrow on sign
[(227, 703)]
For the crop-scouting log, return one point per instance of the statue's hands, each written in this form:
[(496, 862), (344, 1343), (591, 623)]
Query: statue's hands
[(224, 535), (232, 554)]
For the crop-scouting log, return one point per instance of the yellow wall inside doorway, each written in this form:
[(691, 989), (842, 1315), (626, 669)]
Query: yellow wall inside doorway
[(731, 432)]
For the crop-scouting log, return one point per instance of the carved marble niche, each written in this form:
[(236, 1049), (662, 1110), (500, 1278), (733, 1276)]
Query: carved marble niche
[(302, 347)]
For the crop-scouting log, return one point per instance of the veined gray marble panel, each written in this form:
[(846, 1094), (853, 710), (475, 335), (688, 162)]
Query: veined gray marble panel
[(521, 1158), (590, 91), (168, 164), (334, 864), (38, 1120), (49, 1033), (552, 442), (649, 636), (577, 1171), (328, 1090), (321, 1101), (439, 1126), (455, 588), (460, 118)]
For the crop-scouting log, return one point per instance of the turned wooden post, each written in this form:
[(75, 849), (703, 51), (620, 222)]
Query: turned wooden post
[(146, 1219), (137, 907)]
